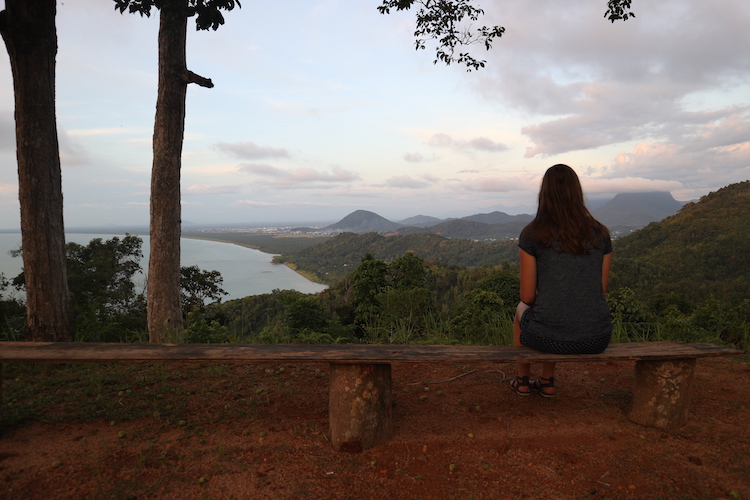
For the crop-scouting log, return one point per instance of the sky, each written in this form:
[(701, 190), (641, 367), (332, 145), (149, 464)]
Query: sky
[(321, 108)]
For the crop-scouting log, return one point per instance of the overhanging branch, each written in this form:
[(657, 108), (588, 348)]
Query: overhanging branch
[(190, 77)]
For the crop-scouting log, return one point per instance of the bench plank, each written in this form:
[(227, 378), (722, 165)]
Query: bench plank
[(82, 352)]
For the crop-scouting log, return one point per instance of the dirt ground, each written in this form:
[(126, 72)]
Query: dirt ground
[(260, 432)]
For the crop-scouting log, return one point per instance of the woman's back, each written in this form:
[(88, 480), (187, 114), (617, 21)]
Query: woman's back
[(570, 304)]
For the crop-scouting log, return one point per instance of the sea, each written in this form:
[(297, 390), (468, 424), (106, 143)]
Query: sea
[(245, 271)]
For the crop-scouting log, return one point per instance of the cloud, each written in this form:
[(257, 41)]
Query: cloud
[(485, 144), (256, 204), (109, 131), (251, 151), (9, 189), (406, 181), (300, 177), (199, 189), (305, 175), (72, 152), (592, 83), (419, 158), (441, 140), (500, 184), (707, 155), (262, 169), (627, 184)]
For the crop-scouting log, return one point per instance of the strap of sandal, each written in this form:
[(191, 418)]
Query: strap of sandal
[(550, 382)]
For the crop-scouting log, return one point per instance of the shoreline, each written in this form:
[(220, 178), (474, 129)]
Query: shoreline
[(309, 277), (312, 277)]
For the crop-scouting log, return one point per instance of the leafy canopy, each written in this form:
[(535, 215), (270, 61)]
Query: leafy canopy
[(207, 12), (449, 23)]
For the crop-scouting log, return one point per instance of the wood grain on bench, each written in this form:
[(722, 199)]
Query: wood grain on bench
[(81, 352)]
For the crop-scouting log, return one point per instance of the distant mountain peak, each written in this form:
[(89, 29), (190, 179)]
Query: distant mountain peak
[(637, 210), (363, 221)]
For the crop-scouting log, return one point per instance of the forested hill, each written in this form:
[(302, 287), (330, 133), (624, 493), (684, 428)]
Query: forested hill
[(702, 251), (337, 257)]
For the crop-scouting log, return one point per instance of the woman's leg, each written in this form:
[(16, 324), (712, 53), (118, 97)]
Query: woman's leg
[(523, 368), (548, 371)]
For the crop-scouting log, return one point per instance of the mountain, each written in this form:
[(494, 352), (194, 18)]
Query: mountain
[(698, 253), (636, 210), (420, 221), (497, 217), (623, 214), (362, 221)]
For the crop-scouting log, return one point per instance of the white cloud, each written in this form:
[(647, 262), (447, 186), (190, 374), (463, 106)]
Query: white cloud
[(72, 152), (413, 157), (261, 169), (109, 131), (500, 184), (632, 83), (300, 177), (250, 151), (485, 144), (627, 184), (443, 140), (406, 181), (256, 204), (199, 189)]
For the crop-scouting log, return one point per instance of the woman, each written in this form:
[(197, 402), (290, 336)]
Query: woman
[(565, 258)]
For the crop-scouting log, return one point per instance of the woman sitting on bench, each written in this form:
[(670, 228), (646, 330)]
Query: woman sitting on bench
[(565, 258)]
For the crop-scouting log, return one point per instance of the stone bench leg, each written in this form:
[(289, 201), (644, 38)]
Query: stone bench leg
[(360, 406), (661, 394)]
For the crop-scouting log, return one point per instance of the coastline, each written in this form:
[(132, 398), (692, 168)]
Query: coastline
[(240, 279), (309, 276)]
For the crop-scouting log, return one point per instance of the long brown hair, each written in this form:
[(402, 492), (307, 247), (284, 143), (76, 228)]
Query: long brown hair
[(562, 220)]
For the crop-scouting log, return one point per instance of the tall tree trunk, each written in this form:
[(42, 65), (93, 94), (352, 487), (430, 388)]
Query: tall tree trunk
[(28, 28), (163, 301)]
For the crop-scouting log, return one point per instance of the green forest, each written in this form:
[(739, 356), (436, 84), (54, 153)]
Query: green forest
[(684, 278)]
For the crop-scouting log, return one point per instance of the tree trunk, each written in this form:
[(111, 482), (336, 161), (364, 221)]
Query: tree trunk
[(28, 28), (163, 301)]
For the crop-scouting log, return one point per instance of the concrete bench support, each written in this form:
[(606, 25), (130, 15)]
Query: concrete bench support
[(360, 406), (661, 394)]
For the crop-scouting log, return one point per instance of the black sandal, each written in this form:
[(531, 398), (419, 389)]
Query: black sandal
[(538, 385), (517, 382)]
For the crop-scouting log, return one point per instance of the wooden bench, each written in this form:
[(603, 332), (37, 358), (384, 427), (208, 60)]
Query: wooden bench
[(360, 394)]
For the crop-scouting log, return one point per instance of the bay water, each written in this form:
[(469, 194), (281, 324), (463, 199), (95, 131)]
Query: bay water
[(245, 271)]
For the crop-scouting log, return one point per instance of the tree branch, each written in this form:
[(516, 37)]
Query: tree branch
[(190, 77)]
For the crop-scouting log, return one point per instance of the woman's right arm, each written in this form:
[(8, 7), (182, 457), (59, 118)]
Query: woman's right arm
[(528, 278)]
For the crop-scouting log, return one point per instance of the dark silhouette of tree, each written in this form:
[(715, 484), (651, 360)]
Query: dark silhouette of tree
[(163, 299), (28, 29)]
